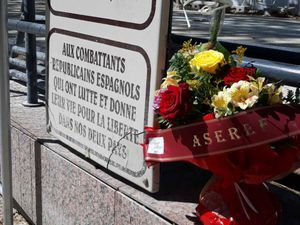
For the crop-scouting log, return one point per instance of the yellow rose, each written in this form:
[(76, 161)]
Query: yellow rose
[(209, 61)]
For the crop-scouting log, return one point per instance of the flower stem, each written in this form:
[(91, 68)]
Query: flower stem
[(216, 22)]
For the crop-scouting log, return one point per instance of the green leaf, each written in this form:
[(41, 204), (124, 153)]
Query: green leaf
[(223, 50), (297, 96)]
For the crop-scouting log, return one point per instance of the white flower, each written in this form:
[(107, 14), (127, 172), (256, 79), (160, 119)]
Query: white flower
[(257, 85), (220, 103), (242, 96)]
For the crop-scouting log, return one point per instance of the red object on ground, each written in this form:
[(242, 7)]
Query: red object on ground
[(242, 151), (236, 195), (237, 204)]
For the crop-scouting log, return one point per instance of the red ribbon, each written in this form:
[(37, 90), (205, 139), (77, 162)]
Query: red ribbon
[(244, 130)]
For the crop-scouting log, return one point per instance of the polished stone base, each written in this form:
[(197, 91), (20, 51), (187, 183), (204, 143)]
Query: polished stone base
[(54, 185)]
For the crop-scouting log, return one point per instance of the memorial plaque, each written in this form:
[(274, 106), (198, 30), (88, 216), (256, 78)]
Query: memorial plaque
[(104, 63), (127, 13)]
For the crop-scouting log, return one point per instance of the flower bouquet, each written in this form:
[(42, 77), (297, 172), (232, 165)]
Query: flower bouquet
[(226, 117)]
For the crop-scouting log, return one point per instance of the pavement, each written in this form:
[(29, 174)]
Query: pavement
[(256, 30), (18, 219)]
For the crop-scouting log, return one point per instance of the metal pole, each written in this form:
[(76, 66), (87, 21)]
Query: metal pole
[(21, 35), (5, 118), (27, 27), (30, 45)]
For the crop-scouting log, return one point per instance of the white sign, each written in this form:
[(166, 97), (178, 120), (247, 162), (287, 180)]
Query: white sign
[(119, 12), (101, 82)]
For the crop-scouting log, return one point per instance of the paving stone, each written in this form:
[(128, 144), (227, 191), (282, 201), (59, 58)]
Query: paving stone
[(18, 219)]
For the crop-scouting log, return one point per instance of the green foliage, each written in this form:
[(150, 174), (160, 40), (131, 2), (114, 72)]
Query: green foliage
[(225, 52), (293, 97), (163, 123), (263, 98), (290, 96), (258, 73), (297, 96), (180, 63)]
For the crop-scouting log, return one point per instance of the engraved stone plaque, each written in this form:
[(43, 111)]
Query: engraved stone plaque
[(105, 59)]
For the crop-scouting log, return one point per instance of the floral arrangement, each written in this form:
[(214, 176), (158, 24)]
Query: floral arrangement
[(202, 83), (226, 117), (203, 107)]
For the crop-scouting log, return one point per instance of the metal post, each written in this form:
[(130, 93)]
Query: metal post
[(20, 35), (30, 45), (5, 118)]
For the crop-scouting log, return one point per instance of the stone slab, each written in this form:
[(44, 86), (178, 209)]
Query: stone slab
[(18, 219), (70, 196), (70, 189), (128, 211), (23, 172)]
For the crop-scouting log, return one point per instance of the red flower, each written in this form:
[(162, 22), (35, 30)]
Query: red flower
[(235, 74), (175, 102), (209, 116)]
